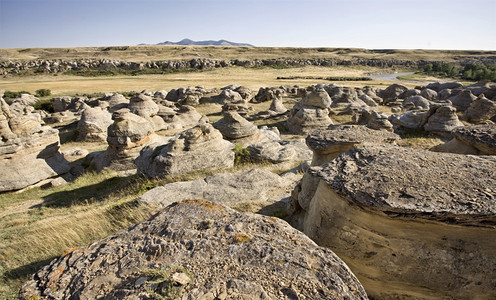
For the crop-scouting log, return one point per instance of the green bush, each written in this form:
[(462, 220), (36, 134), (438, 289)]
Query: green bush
[(45, 105), (43, 93), (241, 155)]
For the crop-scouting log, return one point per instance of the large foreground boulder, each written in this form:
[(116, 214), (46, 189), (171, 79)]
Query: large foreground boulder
[(419, 222), (198, 250), (198, 148)]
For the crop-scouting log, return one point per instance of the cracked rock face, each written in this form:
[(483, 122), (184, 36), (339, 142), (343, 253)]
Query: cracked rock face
[(327, 144), (199, 250), (402, 217)]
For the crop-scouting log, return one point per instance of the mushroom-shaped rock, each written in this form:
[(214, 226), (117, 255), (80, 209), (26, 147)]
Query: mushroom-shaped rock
[(92, 126), (126, 137), (444, 119), (480, 110), (200, 250), (198, 148), (476, 139), (390, 212), (143, 106), (276, 106)]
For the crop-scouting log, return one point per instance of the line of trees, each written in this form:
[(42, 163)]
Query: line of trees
[(470, 71)]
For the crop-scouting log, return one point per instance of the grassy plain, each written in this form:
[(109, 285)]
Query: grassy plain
[(253, 78)]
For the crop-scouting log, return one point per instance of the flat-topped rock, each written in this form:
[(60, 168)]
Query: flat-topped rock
[(199, 250), (400, 217), (252, 187), (326, 144), (403, 180), (476, 139)]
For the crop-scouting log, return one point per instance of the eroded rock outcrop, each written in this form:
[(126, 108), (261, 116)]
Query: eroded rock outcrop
[(199, 250), (29, 152), (402, 217), (199, 148), (93, 125), (255, 187), (126, 136), (480, 110), (476, 139), (310, 113)]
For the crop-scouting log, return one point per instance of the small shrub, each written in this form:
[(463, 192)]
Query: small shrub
[(43, 93), (241, 155), (45, 105)]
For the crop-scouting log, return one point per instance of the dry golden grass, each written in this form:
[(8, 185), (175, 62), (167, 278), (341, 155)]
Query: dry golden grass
[(253, 78)]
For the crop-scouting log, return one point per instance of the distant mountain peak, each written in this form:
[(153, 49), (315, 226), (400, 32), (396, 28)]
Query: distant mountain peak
[(188, 42)]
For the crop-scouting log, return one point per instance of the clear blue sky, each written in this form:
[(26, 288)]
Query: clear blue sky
[(372, 24)]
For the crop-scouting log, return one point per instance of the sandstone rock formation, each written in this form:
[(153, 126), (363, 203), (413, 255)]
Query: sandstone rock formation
[(372, 119), (199, 250), (444, 119), (29, 152), (198, 148), (281, 151), (253, 187), (405, 216), (416, 102), (116, 101), (476, 139), (93, 125), (310, 113), (462, 100), (392, 93), (126, 136), (181, 118), (234, 127), (480, 110)]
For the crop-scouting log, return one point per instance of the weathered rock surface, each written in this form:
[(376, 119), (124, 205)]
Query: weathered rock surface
[(462, 100), (29, 152), (310, 113), (93, 125), (416, 102), (233, 190), (327, 144), (294, 150), (477, 139), (143, 106), (480, 110), (233, 126), (403, 217), (199, 250), (198, 148), (444, 119), (392, 93), (126, 137)]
